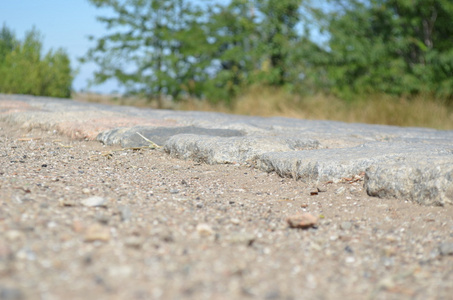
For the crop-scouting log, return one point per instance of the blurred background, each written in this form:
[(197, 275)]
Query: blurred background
[(372, 61)]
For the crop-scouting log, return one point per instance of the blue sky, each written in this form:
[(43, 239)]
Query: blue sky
[(62, 23)]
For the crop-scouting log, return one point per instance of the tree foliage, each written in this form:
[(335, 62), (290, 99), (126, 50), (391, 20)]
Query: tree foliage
[(24, 70), (400, 47), (213, 50), (231, 35), (155, 49), (175, 48)]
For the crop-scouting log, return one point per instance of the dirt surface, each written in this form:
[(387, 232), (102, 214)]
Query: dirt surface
[(173, 229)]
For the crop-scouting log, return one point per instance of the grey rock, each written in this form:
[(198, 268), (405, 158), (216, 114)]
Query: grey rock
[(103, 218), (340, 190), (446, 248), (353, 190), (125, 213), (346, 225)]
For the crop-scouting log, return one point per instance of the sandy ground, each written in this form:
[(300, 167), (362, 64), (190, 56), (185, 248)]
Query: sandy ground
[(162, 228)]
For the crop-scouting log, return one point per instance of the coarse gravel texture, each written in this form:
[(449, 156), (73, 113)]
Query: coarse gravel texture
[(81, 220)]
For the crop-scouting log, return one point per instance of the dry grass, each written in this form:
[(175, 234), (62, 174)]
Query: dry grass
[(258, 101), (418, 112)]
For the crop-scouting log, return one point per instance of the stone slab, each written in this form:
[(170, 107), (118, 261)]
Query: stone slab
[(221, 150), (334, 164), (129, 137), (427, 182)]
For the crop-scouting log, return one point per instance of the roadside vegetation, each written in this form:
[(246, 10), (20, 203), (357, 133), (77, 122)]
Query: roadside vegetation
[(217, 50), (24, 69), (378, 109)]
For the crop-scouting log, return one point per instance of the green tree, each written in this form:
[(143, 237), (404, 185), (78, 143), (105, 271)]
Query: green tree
[(232, 36), (278, 38), (7, 42), (258, 42), (155, 48), (400, 47), (23, 70), (161, 48)]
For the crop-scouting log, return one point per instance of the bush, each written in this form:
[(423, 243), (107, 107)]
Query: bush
[(23, 69)]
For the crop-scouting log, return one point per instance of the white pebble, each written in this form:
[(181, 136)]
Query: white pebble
[(94, 201)]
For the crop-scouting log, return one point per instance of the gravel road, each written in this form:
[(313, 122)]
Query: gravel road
[(80, 220)]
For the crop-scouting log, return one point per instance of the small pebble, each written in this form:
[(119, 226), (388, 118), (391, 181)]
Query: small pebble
[(26, 254), (94, 201), (235, 221), (272, 226), (340, 190), (348, 249), (204, 229), (78, 226), (14, 235), (97, 232), (346, 225), (120, 271), (242, 238), (125, 213), (86, 191), (66, 202), (52, 224), (350, 259), (103, 218), (133, 242), (304, 221)]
